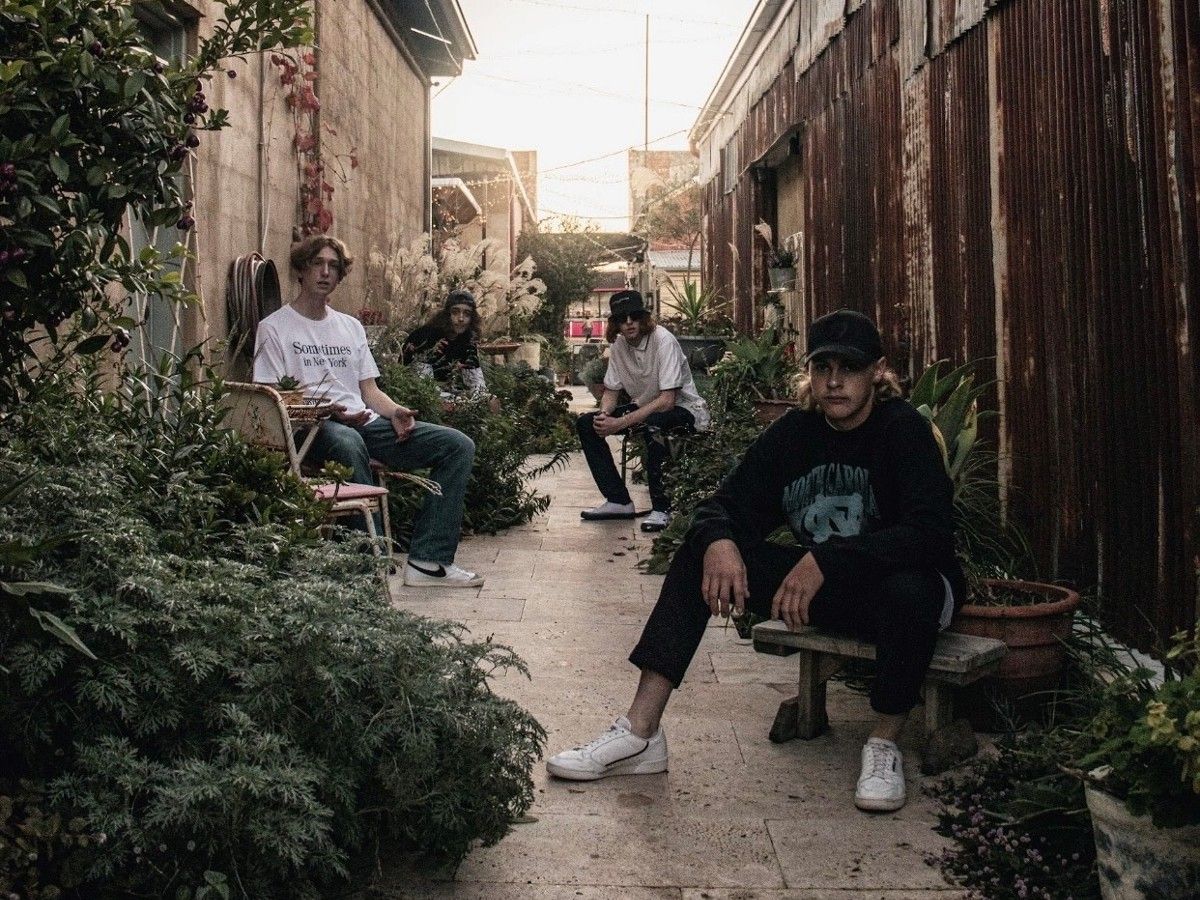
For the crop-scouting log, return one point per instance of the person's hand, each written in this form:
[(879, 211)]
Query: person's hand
[(440, 347), (724, 582), (354, 420), (404, 420), (606, 425), (792, 600)]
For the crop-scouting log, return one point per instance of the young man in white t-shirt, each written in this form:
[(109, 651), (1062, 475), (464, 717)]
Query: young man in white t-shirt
[(327, 352), (647, 363)]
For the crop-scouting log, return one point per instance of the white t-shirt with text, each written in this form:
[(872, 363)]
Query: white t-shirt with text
[(328, 356)]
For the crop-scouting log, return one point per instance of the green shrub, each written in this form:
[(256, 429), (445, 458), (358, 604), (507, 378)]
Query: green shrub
[(257, 718), (703, 464), (94, 127), (533, 420)]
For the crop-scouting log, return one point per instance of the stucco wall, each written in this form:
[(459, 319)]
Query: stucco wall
[(374, 101)]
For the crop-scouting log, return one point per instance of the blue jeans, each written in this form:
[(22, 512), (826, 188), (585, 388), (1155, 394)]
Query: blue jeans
[(449, 454)]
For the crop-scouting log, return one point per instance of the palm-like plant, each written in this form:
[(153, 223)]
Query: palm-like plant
[(990, 544), (699, 310)]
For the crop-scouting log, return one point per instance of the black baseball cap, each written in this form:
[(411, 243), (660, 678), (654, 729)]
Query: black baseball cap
[(624, 303), (846, 334)]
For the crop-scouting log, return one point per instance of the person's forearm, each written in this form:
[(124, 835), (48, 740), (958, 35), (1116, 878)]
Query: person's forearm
[(381, 403), (662, 403), (608, 402)]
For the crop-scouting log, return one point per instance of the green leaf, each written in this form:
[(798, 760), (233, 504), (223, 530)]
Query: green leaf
[(10, 70), (87, 65), (17, 277), (61, 630), (171, 278), (91, 345), (60, 126), (133, 85), (33, 589)]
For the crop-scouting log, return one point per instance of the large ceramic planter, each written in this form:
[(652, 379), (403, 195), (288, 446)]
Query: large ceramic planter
[(1034, 633), (1136, 859), (701, 350), (767, 411), (529, 352)]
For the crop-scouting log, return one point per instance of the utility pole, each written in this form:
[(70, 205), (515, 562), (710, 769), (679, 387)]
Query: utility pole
[(645, 279)]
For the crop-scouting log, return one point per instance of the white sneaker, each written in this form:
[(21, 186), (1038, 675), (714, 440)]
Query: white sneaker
[(881, 784), (656, 521), (418, 573), (607, 510), (616, 752)]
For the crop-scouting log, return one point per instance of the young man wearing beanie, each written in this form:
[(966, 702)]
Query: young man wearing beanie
[(647, 363), (327, 352), (858, 477), (448, 343)]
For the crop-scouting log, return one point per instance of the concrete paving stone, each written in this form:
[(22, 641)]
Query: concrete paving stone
[(407, 888), (877, 852), (458, 607), (619, 638), (947, 893), (639, 849), (622, 609), (741, 665)]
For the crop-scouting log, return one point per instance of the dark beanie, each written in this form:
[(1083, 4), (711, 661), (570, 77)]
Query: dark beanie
[(460, 297)]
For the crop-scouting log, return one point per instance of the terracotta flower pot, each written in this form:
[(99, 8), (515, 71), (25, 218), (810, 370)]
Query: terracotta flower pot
[(1033, 632)]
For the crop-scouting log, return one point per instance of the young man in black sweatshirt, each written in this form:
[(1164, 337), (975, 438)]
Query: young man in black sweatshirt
[(859, 479)]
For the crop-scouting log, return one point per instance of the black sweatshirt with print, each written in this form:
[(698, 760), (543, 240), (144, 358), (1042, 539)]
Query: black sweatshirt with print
[(866, 502)]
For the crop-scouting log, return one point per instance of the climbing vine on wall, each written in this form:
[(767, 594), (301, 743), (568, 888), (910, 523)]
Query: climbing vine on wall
[(299, 76)]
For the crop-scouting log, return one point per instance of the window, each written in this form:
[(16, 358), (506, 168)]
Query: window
[(730, 168), (166, 36)]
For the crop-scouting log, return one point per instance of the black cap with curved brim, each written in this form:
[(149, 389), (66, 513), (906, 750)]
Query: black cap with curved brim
[(624, 303), (845, 334)]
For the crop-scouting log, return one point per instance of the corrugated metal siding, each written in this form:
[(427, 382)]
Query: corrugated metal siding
[(1028, 192)]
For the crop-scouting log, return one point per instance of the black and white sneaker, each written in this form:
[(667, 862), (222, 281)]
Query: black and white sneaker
[(418, 573)]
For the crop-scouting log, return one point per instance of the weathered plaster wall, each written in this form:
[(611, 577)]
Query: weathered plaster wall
[(372, 101)]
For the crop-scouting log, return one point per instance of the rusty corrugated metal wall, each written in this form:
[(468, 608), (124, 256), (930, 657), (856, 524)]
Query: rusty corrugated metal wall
[(1014, 181)]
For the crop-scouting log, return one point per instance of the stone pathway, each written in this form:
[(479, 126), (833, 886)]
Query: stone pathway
[(736, 816)]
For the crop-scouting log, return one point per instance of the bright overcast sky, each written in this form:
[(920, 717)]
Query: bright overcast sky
[(567, 78)]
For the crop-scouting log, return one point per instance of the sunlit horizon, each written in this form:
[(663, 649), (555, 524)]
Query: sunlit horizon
[(567, 79)]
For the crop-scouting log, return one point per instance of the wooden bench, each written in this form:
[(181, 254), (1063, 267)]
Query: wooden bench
[(958, 659)]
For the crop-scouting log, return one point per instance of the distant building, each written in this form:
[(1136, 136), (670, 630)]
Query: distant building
[(592, 311), (483, 192)]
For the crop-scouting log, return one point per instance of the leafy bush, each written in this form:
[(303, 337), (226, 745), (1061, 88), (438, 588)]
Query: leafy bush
[(702, 465), (93, 125), (1143, 741), (257, 718), (1019, 823), (533, 420)]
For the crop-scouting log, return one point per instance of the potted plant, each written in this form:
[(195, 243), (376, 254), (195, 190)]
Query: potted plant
[(762, 368), (1140, 761), (781, 261), (1031, 617), (700, 320), (290, 391)]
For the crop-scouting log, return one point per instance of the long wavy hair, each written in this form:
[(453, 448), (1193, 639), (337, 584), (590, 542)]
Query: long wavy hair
[(441, 321), (646, 324), (887, 387)]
